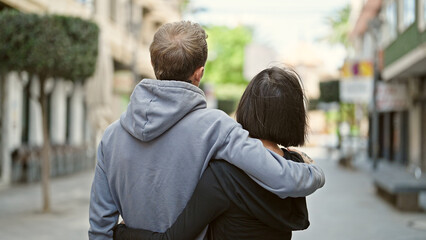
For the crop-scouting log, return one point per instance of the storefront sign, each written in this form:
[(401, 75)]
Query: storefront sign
[(352, 68), (391, 97), (356, 85), (356, 91)]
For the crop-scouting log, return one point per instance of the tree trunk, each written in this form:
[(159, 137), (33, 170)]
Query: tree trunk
[(45, 152)]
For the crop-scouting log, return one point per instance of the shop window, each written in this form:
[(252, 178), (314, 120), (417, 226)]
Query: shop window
[(407, 14)]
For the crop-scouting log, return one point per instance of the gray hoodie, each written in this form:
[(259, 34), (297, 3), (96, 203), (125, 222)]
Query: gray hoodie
[(150, 161)]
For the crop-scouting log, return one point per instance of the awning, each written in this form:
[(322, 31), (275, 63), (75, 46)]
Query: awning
[(412, 64)]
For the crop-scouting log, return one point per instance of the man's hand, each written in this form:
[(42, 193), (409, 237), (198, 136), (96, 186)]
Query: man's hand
[(305, 157)]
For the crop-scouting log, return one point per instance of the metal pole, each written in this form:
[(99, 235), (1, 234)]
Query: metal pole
[(375, 116), (374, 26)]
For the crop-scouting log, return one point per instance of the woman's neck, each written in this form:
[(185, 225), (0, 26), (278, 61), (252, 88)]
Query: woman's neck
[(272, 146)]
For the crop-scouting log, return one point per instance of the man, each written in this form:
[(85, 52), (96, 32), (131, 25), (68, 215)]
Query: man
[(150, 160)]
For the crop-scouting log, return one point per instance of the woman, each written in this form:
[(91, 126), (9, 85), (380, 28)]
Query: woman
[(232, 204)]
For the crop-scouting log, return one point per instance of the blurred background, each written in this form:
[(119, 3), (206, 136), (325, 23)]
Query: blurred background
[(68, 67)]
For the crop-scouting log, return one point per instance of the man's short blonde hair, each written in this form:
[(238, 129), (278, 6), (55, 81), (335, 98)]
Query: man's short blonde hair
[(178, 49)]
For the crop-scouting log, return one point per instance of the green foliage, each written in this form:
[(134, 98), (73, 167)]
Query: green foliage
[(340, 27), (48, 55), (329, 91), (347, 111), (15, 44), (48, 46), (230, 91), (84, 47), (227, 105), (224, 68)]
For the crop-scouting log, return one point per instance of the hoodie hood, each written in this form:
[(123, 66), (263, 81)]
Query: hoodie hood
[(157, 105)]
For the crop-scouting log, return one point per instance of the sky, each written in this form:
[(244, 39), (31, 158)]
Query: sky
[(279, 24)]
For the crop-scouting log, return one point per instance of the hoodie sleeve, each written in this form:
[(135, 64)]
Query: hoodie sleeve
[(268, 169), (103, 213)]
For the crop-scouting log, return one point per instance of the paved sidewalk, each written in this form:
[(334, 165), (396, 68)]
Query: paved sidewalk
[(21, 218), (346, 208)]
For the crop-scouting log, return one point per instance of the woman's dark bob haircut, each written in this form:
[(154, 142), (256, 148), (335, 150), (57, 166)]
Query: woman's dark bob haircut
[(273, 107)]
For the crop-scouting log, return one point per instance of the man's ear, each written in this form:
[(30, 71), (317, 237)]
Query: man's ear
[(196, 77)]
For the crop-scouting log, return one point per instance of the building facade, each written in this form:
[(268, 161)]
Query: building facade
[(392, 33), (79, 113), (404, 61)]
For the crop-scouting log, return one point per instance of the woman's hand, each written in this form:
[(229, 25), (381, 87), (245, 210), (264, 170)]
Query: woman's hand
[(305, 157)]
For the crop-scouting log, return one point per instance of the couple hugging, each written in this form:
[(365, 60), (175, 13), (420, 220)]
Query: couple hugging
[(174, 169)]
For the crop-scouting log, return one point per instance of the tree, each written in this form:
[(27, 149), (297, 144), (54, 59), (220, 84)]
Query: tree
[(339, 35), (224, 67), (340, 28), (83, 50), (12, 49), (48, 46)]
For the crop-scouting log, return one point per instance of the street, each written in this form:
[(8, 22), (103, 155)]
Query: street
[(346, 208)]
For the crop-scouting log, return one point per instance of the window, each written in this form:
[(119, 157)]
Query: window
[(422, 15), (390, 22), (94, 7), (407, 13), (424, 11), (130, 17), (89, 4), (112, 10)]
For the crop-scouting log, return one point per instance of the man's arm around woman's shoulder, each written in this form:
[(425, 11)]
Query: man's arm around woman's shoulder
[(268, 169)]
